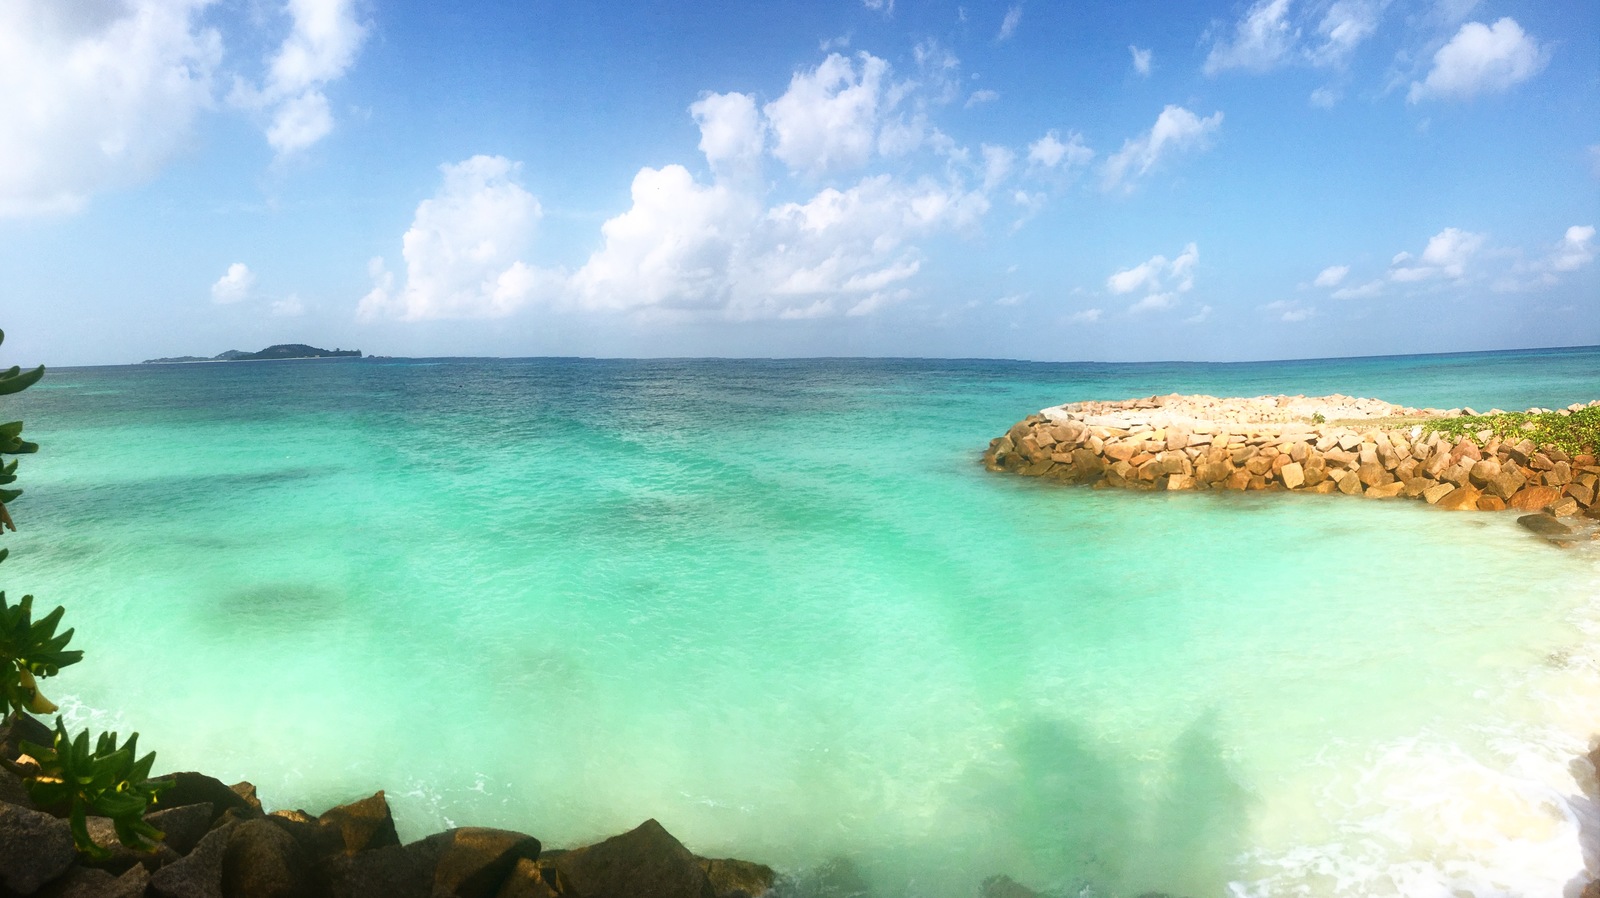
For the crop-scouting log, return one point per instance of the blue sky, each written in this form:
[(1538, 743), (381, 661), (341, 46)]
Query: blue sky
[(1058, 181)]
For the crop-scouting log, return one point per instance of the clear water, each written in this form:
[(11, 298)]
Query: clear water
[(779, 606)]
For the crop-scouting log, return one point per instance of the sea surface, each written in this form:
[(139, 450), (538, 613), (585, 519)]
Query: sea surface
[(781, 607)]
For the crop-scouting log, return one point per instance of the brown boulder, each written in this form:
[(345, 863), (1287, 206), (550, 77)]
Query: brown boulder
[(1534, 498), (1349, 483), (90, 882), (389, 872), (1582, 492), (189, 787), (1548, 527), (1374, 474), (1385, 490), (646, 862), (197, 874), (1462, 498), (362, 825), (1294, 476), (471, 862), (1565, 507), (263, 861), (1506, 483), (1416, 486), (1491, 503), (535, 879), (731, 878)]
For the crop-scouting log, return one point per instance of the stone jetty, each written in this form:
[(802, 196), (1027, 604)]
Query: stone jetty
[(1321, 444)]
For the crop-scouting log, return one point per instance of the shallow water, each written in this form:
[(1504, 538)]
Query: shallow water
[(780, 607)]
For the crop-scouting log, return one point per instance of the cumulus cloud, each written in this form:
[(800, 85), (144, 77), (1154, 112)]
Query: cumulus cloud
[(996, 165), (884, 6), (1260, 40), (1480, 59), (1049, 151), (980, 97), (1344, 26), (462, 249), (1446, 256), (1160, 279), (1332, 275), (1364, 291), (1008, 25), (96, 95), (1575, 250), (1176, 130), (323, 42), (1325, 97), (1284, 310), (732, 134), (828, 118), (234, 285), (1199, 316), (288, 307), (1141, 60), (1087, 316)]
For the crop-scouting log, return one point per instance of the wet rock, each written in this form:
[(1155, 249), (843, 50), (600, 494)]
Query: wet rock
[(1006, 887), (646, 862), (389, 872), (199, 873), (263, 861), (1564, 507), (1506, 483), (362, 825), (471, 862), (836, 878), (1349, 483), (123, 857), (1491, 503), (1386, 490), (536, 879), (90, 882), (1462, 498), (34, 848), (182, 828), (1534, 498), (731, 878), (190, 787), (1548, 527)]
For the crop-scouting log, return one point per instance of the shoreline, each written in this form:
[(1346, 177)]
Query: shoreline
[(1325, 444)]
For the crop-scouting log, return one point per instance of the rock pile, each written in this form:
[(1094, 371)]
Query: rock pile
[(221, 844), (1326, 444)]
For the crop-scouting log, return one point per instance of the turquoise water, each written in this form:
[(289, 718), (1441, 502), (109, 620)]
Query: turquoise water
[(779, 606)]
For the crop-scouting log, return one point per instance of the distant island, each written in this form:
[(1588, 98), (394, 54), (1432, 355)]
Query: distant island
[(280, 351)]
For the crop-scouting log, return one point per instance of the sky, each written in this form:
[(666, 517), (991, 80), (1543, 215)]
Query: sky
[(1101, 181)]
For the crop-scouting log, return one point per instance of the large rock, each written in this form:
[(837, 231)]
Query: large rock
[(1548, 527), (362, 825), (1462, 498), (731, 878), (182, 828), (471, 862), (1385, 490), (390, 872), (263, 861), (646, 862), (1506, 483), (1534, 498), (34, 848), (189, 787), (90, 882), (198, 874), (1294, 476), (535, 879), (120, 857)]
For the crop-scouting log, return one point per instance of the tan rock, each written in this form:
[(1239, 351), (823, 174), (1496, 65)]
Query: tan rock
[(1462, 498), (1119, 451), (1349, 483), (1534, 498), (1386, 490), (1438, 491), (1491, 503), (1506, 483), (1213, 472), (1238, 480), (1180, 482), (1317, 476), (1416, 486), (1565, 507), (1483, 471), (1293, 475), (1325, 487), (1374, 474), (1582, 492)]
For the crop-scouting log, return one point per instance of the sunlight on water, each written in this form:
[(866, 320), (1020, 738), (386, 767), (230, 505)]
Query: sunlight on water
[(780, 607)]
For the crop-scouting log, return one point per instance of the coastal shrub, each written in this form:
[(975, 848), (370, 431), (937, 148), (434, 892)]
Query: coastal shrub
[(1574, 432), (67, 776)]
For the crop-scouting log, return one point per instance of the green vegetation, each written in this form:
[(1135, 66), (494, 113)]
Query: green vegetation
[(1319, 418), (1573, 432), (66, 777)]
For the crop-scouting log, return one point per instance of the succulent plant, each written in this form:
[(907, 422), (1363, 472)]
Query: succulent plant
[(30, 649), (110, 781)]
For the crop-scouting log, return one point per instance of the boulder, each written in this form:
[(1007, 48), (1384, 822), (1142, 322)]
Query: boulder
[(646, 862), (1385, 490), (472, 862), (1491, 503), (189, 787), (1462, 498), (1506, 483), (1006, 887), (1582, 492), (1416, 486), (1548, 527), (389, 872), (121, 858), (12, 791), (1374, 474), (1294, 476), (362, 825), (199, 873), (1565, 507), (1121, 451), (536, 879), (1213, 472), (732, 878), (183, 827), (1534, 498), (90, 882), (263, 861), (34, 848), (1349, 483)]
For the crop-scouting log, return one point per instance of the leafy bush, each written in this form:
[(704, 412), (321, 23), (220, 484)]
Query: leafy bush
[(69, 778), (1573, 432)]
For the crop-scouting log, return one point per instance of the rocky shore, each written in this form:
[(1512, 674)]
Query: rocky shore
[(1324, 444)]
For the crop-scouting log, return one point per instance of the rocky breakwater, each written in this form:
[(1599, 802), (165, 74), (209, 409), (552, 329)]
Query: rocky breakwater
[(1324, 444)]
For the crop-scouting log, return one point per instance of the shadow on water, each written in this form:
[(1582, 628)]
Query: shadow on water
[(1066, 814), (282, 608)]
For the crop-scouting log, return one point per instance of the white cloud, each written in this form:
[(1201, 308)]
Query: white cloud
[(1284, 310), (288, 307), (1345, 25), (732, 135), (1364, 291), (1087, 316), (1197, 317), (1325, 97), (980, 97), (996, 165), (234, 285), (1575, 249), (828, 118), (884, 6), (1160, 279), (1008, 25), (1176, 130), (461, 250), (1141, 60), (1262, 39), (1050, 152), (1011, 299), (1332, 275), (1480, 59), (96, 95), (323, 42), (1446, 256)]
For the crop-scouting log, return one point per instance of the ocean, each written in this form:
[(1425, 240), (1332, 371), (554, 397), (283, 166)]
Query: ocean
[(779, 606)]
